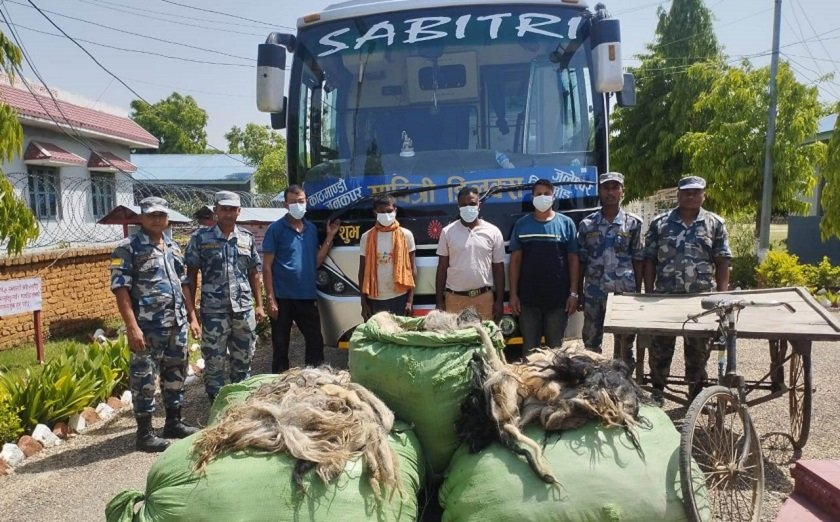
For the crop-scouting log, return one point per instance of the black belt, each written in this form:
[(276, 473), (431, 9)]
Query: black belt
[(471, 293)]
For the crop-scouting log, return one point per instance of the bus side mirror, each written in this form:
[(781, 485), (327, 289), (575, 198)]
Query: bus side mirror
[(271, 65), (606, 55), (626, 97)]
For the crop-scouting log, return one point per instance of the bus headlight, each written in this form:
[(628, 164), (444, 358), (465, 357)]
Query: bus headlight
[(330, 282), (322, 277), (507, 324)]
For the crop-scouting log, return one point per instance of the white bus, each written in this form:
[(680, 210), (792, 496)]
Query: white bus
[(418, 97)]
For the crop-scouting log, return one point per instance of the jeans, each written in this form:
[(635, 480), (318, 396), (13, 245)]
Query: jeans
[(304, 313), (536, 322)]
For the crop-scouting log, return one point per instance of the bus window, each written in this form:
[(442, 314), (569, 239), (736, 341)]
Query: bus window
[(505, 93), (560, 117)]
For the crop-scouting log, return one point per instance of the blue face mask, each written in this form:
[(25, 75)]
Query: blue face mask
[(469, 213)]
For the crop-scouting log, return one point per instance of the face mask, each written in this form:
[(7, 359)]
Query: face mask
[(543, 203), (469, 213), (297, 210), (386, 218)]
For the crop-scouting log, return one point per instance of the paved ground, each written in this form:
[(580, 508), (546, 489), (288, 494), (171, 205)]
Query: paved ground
[(76, 481)]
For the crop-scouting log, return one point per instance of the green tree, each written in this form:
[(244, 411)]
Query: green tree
[(645, 136), (177, 121), (264, 149), (729, 153), (830, 223), (17, 224)]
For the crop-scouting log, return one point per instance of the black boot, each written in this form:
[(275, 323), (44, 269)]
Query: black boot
[(146, 439), (175, 428)]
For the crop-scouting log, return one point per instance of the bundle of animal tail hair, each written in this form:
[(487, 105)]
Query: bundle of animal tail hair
[(317, 416), (561, 388)]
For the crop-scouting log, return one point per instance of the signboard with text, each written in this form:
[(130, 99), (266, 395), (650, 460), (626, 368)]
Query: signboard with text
[(20, 296)]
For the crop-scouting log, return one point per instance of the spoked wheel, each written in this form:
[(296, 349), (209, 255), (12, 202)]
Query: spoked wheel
[(800, 394), (721, 470)]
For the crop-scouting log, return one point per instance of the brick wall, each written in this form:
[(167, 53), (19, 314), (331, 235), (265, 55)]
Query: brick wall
[(75, 290)]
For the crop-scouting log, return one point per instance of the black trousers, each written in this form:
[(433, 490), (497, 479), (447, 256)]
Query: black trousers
[(304, 313)]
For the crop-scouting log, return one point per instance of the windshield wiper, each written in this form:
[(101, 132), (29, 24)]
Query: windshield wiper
[(496, 189), (394, 192)]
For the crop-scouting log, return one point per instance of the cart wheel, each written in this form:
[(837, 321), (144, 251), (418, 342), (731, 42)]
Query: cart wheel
[(800, 395), (721, 469)]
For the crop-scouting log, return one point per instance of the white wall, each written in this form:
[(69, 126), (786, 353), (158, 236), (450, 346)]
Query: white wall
[(76, 225)]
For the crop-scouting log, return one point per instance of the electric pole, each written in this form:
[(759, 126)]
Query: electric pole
[(767, 192)]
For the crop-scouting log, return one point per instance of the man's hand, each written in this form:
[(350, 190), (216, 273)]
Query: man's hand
[(195, 329), (571, 304), (515, 305), (136, 340), (580, 303), (272, 309), (332, 228), (260, 314), (409, 309), (498, 311)]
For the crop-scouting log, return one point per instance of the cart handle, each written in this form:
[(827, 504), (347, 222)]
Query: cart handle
[(726, 304)]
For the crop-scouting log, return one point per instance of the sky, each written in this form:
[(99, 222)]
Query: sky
[(212, 56)]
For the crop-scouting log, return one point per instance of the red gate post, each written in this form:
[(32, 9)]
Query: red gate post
[(39, 338)]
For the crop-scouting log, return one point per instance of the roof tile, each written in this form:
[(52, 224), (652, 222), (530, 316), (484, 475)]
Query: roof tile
[(45, 152), (27, 104), (109, 162)]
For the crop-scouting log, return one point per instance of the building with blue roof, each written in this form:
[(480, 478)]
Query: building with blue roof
[(205, 171)]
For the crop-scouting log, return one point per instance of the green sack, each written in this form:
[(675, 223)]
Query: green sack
[(253, 485), (236, 392), (601, 477), (422, 376)]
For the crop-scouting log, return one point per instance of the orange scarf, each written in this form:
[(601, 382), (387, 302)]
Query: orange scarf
[(403, 275)]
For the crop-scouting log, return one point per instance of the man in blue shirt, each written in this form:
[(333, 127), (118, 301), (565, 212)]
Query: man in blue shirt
[(291, 256), (544, 271)]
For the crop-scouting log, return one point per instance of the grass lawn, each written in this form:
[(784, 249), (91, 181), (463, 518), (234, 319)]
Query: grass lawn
[(778, 236), (19, 358)]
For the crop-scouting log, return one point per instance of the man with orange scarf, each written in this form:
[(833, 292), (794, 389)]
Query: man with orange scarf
[(386, 265)]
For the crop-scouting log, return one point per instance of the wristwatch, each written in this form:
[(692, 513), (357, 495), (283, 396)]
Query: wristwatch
[(574, 294)]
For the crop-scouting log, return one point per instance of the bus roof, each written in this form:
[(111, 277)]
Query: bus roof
[(353, 8)]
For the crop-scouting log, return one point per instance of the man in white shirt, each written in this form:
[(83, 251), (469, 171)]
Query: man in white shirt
[(386, 264), (471, 262)]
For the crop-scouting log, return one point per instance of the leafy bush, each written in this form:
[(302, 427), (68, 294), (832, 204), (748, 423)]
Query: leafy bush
[(823, 276), (80, 377), (108, 362), (742, 274), (742, 240), (10, 428), (742, 243), (780, 269), (53, 395)]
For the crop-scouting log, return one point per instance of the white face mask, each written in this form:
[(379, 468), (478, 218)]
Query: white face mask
[(469, 213), (297, 210), (543, 203), (386, 218)]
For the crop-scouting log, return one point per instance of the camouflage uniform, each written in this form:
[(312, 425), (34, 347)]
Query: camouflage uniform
[(228, 323), (685, 264), (607, 252), (154, 278)]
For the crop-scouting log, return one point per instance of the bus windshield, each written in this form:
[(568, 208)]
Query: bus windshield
[(478, 96)]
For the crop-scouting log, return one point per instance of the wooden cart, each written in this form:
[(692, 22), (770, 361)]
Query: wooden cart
[(721, 466)]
